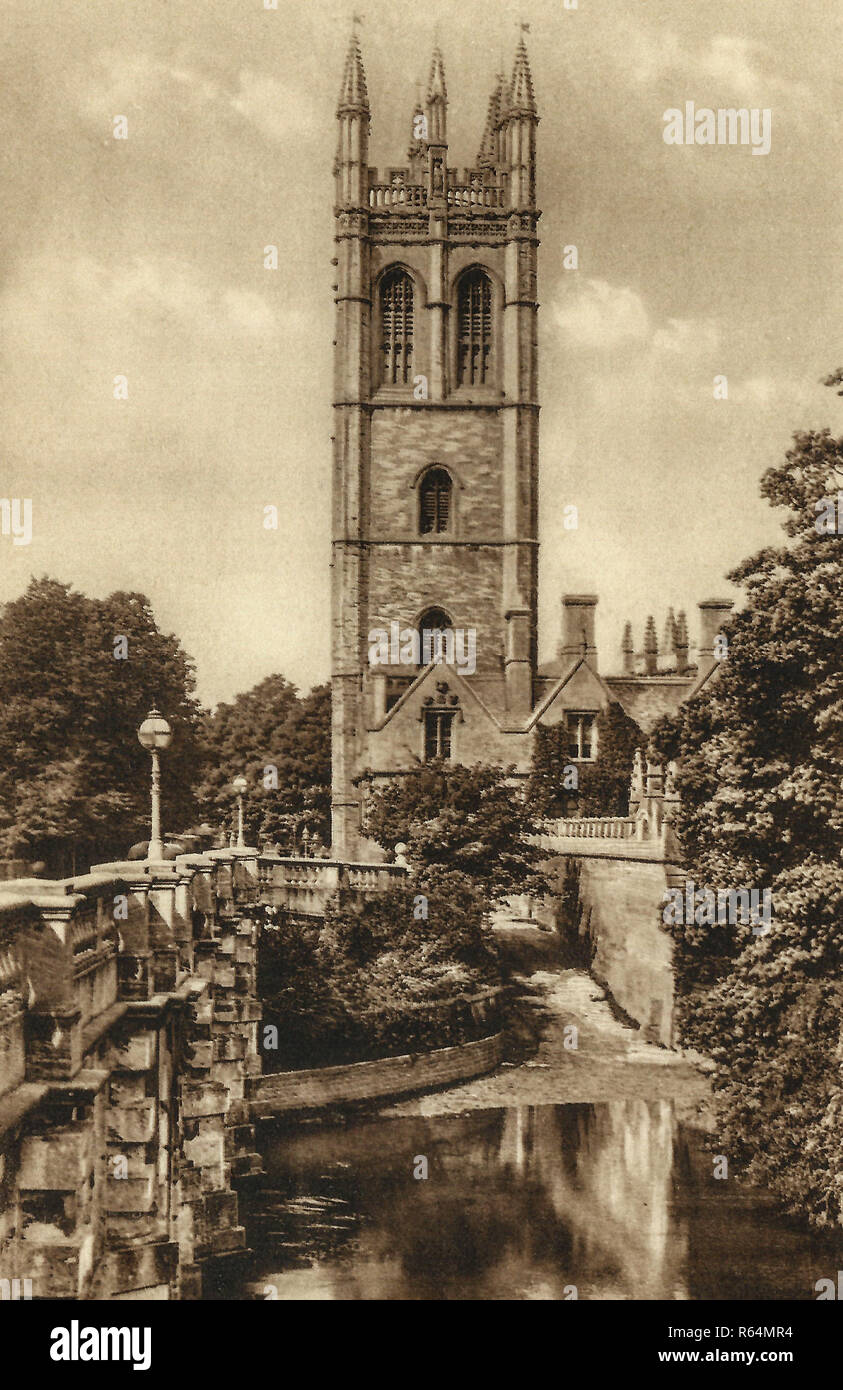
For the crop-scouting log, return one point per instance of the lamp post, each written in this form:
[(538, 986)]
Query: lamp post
[(241, 786), (155, 735)]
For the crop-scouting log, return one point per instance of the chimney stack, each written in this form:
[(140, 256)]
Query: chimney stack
[(628, 651), (578, 628), (681, 641), (669, 641), (714, 613), (517, 665), (651, 647)]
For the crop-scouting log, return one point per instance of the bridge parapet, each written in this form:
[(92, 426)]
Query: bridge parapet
[(128, 1030), (650, 825), (304, 886), (595, 828), (129, 1019)]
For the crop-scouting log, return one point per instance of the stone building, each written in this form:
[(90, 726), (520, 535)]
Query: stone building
[(435, 473)]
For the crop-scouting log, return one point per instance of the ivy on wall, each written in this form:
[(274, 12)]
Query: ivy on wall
[(601, 787)]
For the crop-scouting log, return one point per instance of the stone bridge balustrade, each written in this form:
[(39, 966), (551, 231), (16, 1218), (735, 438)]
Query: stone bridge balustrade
[(303, 886), (12, 1011), (129, 1025), (595, 828), (61, 942), (128, 1029)]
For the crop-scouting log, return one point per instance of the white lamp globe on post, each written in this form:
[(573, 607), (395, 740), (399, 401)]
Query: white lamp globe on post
[(241, 786), (155, 735)]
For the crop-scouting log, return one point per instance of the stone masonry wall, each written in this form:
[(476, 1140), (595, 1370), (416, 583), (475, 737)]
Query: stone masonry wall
[(404, 441), (390, 1076), (621, 897)]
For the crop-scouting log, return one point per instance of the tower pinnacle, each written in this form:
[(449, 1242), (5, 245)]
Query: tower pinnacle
[(488, 154), (353, 94), (436, 84), (522, 101), (437, 101), (418, 130)]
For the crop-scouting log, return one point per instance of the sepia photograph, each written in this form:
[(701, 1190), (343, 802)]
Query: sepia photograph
[(421, 669)]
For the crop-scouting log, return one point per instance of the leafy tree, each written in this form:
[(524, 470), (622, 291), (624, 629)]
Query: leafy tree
[(472, 820), (74, 781), (372, 978), (665, 740), (281, 743), (761, 773), (602, 786), (547, 792)]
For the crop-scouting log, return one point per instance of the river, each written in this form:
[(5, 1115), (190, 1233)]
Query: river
[(611, 1200)]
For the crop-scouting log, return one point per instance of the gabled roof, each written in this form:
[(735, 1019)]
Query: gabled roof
[(423, 678), (577, 664)]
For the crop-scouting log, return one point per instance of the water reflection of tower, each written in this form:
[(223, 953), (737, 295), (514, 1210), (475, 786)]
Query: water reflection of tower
[(607, 1173), (517, 1139)]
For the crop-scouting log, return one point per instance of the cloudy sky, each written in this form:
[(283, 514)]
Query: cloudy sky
[(144, 257)]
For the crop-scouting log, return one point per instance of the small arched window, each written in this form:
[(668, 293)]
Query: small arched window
[(474, 329), (436, 636), (435, 502), (397, 328)]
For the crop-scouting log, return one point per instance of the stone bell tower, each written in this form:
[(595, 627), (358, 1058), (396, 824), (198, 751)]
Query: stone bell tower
[(435, 472)]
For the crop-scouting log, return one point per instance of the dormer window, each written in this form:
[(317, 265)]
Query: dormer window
[(439, 715), (582, 736)]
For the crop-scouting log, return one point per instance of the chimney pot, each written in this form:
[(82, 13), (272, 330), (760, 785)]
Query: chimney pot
[(578, 628), (714, 613)]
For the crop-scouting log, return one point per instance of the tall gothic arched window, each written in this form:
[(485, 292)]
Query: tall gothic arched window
[(474, 329), (397, 328), (435, 502)]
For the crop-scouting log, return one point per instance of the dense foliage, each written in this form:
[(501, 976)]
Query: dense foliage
[(761, 780), (281, 742), (470, 819), (602, 786), (396, 973), (399, 971), (74, 781), (77, 677)]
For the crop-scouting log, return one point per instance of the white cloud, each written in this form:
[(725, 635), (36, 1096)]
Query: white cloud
[(597, 314), (641, 362), (687, 336), (740, 71), (249, 312), (790, 394), (267, 105), (122, 84), (86, 296)]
